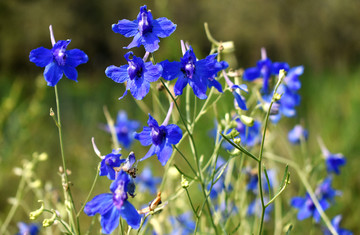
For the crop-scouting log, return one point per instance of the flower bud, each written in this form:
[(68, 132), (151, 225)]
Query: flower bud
[(50, 221), (249, 121), (184, 182), (35, 214)]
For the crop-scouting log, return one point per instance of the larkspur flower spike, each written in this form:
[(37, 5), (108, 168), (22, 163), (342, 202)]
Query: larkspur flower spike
[(58, 61), (160, 138), (137, 73), (145, 30)]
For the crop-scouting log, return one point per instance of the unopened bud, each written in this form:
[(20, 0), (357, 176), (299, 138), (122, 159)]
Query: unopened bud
[(52, 114), (50, 221), (68, 205), (184, 182), (237, 141), (35, 184), (277, 97), (228, 47), (43, 157), (249, 121), (18, 171), (35, 214)]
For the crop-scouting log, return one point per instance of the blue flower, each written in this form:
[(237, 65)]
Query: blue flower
[(28, 229), (58, 61), (108, 163), (307, 207), (292, 78), (146, 181), (145, 30), (138, 75), (336, 224), (250, 135), (239, 99), (199, 74), (160, 138), (297, 134), (112, 206), (182, 224), (124, 129), (264, 69), (255, 208), (325, 191), (333, 160)]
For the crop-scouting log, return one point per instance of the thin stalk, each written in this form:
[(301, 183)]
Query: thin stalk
[(193, 148), (14, 207), (187, 161), (92, 188), (281, 76), (66, 187), (307, 186), (192, 206)]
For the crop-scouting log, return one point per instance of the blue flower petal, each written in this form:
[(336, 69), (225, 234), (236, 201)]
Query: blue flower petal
[(144, 136), (149, 153), (110, 221), (152, 72), (99, 204), (163, 27), (180, 85), (70, 72), (251, 74), (297, 202), (277, 66), (75, 57), (52, 73), (139, 91), (174, 134), (117, 74), (165, 154), (239, 101), (41, 56), (150, 42), (126, 27), (136, 42), (152, 122), (130, 214), (171, 70), (216, 84), (199, 86)]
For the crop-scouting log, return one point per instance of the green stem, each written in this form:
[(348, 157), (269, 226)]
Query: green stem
[(261, 155), (66, 187), (14, 207), (187, 161), (307, 186), (193, 148), (92, 188)]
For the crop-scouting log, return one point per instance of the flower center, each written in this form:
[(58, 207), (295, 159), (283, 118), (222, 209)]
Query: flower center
[(134, 70), (145, 25), (60, 56), (120, 195), (158, 135), (189, 69)]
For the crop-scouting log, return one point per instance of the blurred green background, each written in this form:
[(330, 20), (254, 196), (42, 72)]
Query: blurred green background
[(323, 36)]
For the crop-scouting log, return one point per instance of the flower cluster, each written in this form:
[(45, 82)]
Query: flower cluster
[(139, 76)]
